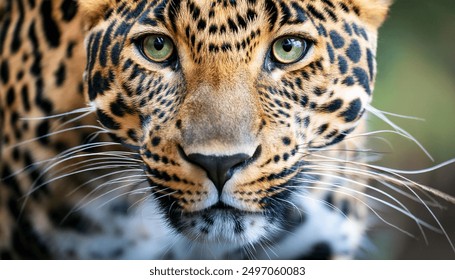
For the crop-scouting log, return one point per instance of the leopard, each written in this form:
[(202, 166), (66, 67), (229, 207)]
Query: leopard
[(186, 129)]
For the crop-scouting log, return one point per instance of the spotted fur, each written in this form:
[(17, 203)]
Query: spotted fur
[(101, 147)]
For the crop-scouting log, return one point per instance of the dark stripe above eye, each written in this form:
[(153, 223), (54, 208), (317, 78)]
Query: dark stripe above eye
[(172, 11), (272, 11), (300, 13)]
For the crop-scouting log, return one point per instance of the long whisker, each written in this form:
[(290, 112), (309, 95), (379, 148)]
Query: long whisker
[(395, 172), (337, 190), (404, 133), (135, 182), (109, 164), (75, 119), (402, 209), (99, 178), (54, 133), (369, 174), (69, 113), (67, 154), (430, 190), (400, 116), (81, 205)]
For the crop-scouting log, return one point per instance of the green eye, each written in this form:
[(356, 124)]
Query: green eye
[(157, 48), (288, 49)]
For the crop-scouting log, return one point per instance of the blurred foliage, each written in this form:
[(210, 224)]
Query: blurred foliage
[(416, 71), (416, 77)]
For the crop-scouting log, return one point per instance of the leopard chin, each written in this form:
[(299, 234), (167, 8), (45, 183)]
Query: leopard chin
[(222, 224)]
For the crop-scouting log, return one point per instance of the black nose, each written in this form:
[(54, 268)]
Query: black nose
[(219, 168)]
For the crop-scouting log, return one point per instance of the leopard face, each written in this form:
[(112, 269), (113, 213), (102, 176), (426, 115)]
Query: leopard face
[(225, 101)]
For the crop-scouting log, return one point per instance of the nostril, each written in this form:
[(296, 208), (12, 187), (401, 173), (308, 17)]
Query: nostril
[(219, 168)]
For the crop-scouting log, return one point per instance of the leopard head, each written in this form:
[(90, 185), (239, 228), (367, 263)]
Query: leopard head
[(224, 100)]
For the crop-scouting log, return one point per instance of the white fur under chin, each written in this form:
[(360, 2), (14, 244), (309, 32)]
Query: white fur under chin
[(322, 225), (146, 235)]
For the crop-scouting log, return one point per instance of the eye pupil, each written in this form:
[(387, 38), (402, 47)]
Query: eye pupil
[(287, 45), (159, 43)]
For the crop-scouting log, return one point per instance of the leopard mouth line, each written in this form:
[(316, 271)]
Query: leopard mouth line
[(218, 210), (221, 207)]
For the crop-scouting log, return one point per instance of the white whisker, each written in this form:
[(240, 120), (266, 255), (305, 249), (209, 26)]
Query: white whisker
[(76, 111), (365, 172), (364, 203), (399, 178), (52, 134), (401, 131)]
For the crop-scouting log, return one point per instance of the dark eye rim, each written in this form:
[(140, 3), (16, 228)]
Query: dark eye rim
[(140, 41), (308, 45)]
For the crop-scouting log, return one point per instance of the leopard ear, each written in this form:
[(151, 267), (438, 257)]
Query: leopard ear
[(373, 12), (94, 10)]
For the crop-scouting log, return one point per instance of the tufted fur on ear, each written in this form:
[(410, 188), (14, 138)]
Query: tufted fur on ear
[(373, 12), (94, 10)]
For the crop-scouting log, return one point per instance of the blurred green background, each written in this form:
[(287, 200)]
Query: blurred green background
[(416, 77)]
